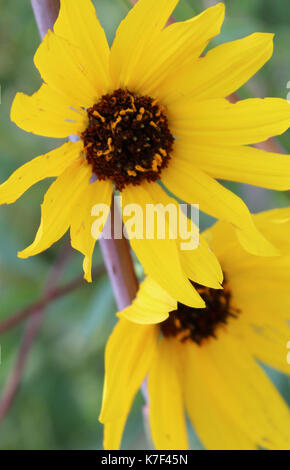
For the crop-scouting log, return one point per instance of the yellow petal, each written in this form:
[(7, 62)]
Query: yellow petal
[(223, 241), (113, 433), (58, 206), (129, 355), (134, 36), (198, 261), (215, 412), (46, 166), (276, 225), (261, 292), (242, 164), (270, 295), (264, 409), (274, 215), (202, 266), (79, 25), (243, 266), (166, 410), (192, 185), (261, 285), (160, 257), (222, 71), (152, 304), (47, 113), (82, 239), (269, 349), (177, 45), (220, 122), (60, 65)]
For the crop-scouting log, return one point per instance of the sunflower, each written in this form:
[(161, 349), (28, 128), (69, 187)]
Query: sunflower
[(148, 110), (203, 362)]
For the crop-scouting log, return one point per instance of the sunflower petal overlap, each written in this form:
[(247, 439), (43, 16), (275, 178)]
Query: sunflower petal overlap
[(215, 375)]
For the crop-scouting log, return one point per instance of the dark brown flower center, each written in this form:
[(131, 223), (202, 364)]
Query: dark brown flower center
[(198, 324), (127, 139)]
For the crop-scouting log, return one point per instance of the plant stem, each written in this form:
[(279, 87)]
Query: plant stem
[(119, 264), (30, 333), (53, 295), (45, 12)]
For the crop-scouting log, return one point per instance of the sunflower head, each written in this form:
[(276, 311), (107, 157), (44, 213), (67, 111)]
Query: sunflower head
[(150, 108), (217, 384), (127, 139), (199, 324)]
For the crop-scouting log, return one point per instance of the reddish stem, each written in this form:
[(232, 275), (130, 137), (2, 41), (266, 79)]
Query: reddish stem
[(45, 12), (19, 317), (119, 264), (30, 333)]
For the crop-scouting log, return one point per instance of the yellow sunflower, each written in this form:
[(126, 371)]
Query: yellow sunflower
[(202, 362), (148, 110)]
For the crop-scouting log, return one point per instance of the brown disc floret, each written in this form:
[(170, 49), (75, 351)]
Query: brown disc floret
[(198, 324), (127, 139)]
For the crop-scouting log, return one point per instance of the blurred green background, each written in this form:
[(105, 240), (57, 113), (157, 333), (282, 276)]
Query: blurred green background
[(59, 399)]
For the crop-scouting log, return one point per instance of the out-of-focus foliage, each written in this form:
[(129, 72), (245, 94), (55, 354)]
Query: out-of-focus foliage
[(59, 399)]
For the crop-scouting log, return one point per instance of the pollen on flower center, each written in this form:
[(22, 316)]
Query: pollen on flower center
[(198, 324), (127, 139)]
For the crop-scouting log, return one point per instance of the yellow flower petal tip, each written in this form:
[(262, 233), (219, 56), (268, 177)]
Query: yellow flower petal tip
[(28, 252), (22, 255), (220, 6), (157, 300), (88, 274), (88, 278), (32, 249), (257, 245)]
